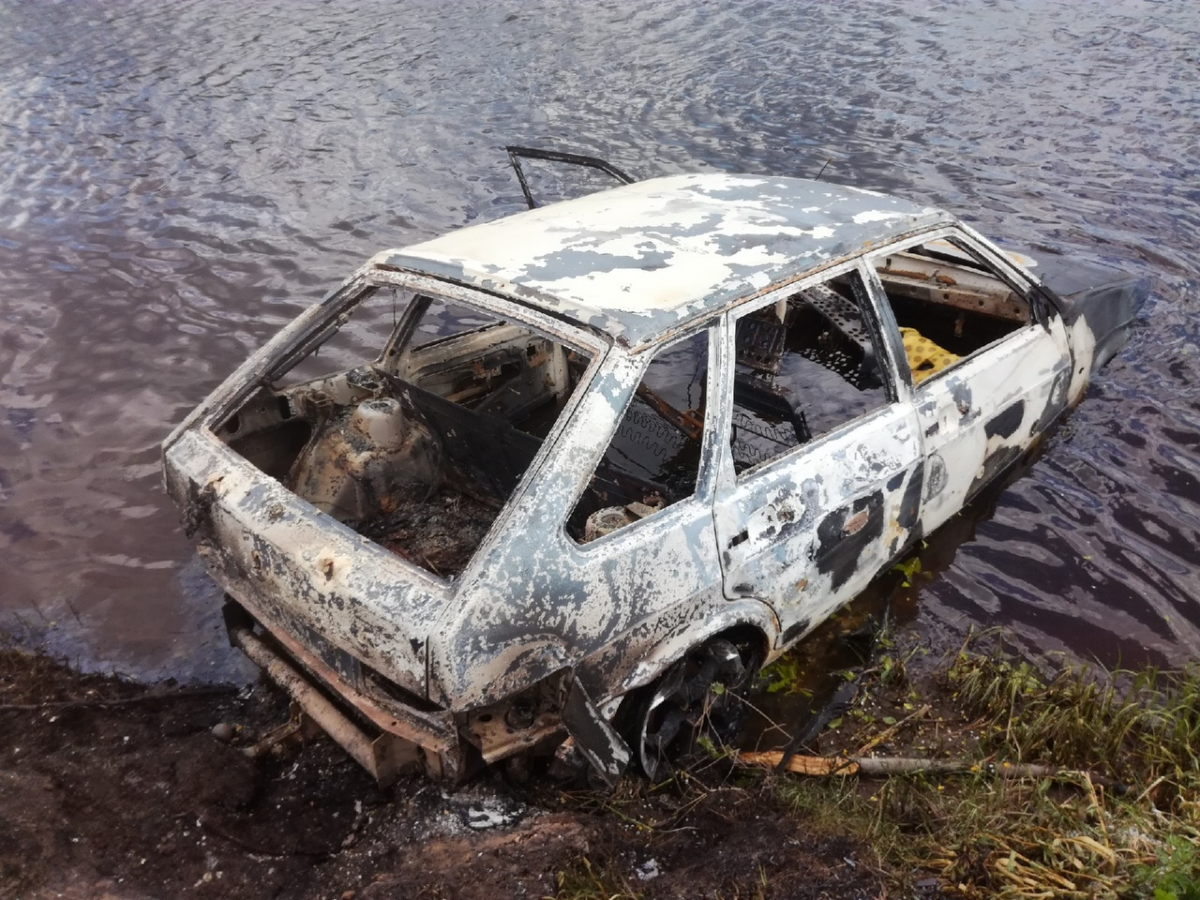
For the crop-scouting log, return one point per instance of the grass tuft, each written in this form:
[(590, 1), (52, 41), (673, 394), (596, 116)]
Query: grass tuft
[(583, 880), (1139, 727)]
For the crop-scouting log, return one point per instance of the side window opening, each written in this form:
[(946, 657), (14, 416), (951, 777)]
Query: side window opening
[(653, 459), (805, 366), (948, 302), (429, 419)]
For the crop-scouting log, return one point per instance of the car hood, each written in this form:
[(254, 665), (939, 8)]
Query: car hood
[(1105, 300)]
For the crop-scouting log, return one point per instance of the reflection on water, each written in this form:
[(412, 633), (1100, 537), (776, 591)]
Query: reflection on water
[(178, 180)]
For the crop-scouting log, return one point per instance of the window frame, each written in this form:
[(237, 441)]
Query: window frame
[(709, 463), (1041, 306), (882, 329)]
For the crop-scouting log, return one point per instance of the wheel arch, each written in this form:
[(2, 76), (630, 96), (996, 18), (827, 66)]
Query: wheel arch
[(654, 716), (748, 624)]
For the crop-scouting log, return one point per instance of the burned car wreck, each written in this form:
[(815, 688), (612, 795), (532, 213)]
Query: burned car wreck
[(555, 476)]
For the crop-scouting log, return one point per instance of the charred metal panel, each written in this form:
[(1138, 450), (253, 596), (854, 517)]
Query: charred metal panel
[(767, 552), (1105, 300), (845, 535), (490, 451), (795, 631), (299, 569), (769, 518), (1059, 396), (639, 260), (994, 465), (575, 599), (773, 524), (935, 475), (646, 650), (910, 502), (596, 739), (1005, 423), (987, 402)]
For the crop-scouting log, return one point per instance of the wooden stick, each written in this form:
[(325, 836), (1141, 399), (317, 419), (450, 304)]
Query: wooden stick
[(883, 766), (118, 701), (801, 765)]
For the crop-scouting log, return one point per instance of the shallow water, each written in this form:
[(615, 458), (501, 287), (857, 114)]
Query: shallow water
[(179, 180)]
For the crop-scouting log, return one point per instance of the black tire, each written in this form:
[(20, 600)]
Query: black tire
[(670, 714)]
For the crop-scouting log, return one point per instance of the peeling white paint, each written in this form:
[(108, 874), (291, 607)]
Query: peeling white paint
[(875, 215), (660, 251)]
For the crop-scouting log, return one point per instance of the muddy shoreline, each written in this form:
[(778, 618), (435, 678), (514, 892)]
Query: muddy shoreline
[(122, 791), (980, 773)]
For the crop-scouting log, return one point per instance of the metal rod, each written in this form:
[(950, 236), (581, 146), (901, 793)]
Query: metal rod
[(351, 738), (574, 159)]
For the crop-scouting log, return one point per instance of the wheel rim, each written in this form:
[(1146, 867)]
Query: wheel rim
[(683, 704)]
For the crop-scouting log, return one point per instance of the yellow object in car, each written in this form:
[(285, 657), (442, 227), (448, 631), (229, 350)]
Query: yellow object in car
[(925, 358)]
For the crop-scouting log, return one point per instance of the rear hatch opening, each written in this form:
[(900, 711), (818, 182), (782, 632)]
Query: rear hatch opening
[(411, 418)]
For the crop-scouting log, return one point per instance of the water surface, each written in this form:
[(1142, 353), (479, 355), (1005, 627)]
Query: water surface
[(179, 180)]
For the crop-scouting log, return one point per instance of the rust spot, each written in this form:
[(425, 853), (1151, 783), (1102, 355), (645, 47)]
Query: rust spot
[(855, 523), (325, 565)]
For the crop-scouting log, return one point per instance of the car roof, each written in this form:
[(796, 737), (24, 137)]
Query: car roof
[(641, 261)]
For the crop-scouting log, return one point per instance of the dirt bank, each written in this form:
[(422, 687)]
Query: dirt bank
[(122, 791)]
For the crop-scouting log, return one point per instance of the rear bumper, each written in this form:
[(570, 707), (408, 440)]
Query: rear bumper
[(383, 735)]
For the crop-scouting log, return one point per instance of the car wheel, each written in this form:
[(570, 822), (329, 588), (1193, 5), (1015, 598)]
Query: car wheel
[(696, 695)]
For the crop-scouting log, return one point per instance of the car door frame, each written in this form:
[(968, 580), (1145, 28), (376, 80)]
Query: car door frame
[(821, 547), (967, 446)]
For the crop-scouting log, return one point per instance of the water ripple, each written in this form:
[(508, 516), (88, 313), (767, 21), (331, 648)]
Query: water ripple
[(179, 180)]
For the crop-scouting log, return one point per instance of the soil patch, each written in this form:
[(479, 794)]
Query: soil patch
[(110, 789)]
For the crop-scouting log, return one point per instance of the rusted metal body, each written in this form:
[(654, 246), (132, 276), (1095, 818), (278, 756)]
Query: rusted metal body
[(537, 631)]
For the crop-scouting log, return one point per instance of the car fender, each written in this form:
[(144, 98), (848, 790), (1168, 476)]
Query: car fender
[(628, 663)]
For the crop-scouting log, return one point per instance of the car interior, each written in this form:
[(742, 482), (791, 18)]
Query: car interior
[(420, 448)]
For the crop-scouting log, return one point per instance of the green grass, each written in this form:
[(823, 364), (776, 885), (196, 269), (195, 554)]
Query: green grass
[(1122, 822), (1135, 725), (583, 880)]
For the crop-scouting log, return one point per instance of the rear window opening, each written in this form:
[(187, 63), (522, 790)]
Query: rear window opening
[(412, 422)]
